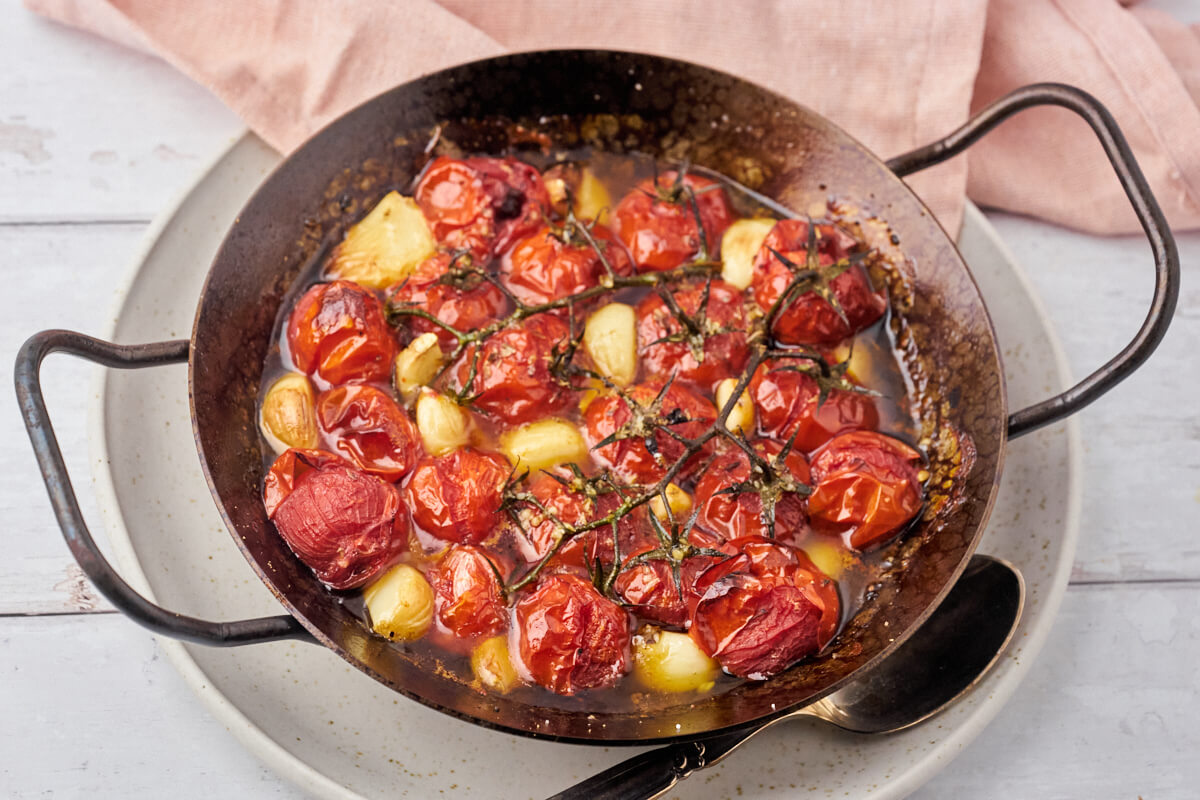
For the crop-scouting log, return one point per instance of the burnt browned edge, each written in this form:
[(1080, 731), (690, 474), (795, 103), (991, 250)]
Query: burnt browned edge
[(780, 144)]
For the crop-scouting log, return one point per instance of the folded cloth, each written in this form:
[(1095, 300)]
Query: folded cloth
[(894, 73)]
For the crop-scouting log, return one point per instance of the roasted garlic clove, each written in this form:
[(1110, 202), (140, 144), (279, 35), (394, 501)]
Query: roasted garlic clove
[(386, 245), (289, 417), (544, 444), (400, 603), (442, 423), (671, 662), (416, 365), (741, 418), (493, 666), (592, 199), (679, 501), (610, 338), (740, 244)]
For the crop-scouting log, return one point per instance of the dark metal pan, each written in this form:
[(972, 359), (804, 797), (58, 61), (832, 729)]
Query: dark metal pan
[(623, 102)]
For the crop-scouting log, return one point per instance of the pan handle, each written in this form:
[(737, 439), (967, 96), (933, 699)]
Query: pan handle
[(1162, 243), (66, 506)]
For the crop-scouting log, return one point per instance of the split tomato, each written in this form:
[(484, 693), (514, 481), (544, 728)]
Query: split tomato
[(552, 264), (367, 426), (734, 515), (657, 222), (338, 331), (467, 305), (466, 594), (786, 404), (456, 497), (706, 346)]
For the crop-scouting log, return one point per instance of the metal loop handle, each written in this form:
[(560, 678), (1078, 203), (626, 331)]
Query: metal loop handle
[(1162, 243), (66, 506)]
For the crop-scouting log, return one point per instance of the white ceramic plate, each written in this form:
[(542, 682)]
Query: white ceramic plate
[(337, 733)]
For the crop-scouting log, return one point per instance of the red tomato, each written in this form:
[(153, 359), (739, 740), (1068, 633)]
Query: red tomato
[(467, 595), (456, 497), (736, 515), (464, 309), (809, 319), (289, 468), (629, 458), (370, 429), (867, 487), (785, 403), (723, 354), (481, 205), (338, 331), (660, 232), (347, 526), (513, 381), (570, 637), (649, 588), (542, 268), (764, 609)]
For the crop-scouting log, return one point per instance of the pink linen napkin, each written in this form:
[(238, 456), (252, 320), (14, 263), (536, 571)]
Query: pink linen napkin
[(894, 73)]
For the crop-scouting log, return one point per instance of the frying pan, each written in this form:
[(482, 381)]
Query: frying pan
[(622, 102)]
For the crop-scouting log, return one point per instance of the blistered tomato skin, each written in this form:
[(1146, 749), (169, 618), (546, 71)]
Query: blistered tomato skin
[(512, 380), (345, 525), (365, 425), (724, 350), (456, 497), (661, 234), (630, 458), (764, 609), (570, 637), (289, 468), (808, 318), (867, 487), (481, 205), (337, 331), (465, 309), (541, 267), (737, 515), (785, 404), (650, 591), (467, 597)]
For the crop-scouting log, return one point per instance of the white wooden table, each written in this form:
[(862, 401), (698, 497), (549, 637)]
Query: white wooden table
[(96, 140)]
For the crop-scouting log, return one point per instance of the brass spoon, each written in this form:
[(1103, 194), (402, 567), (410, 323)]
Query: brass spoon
[(939, 663)]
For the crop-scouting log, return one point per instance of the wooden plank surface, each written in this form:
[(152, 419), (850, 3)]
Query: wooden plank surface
[(95, 141)]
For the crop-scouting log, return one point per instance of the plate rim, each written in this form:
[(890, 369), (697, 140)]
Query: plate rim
[(303, 775)]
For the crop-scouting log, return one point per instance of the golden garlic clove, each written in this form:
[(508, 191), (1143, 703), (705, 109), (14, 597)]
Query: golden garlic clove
[(741, 417), (671, 662), (493, 665), (610, 338), (544, 444), (443, 425), (592, 199), (400, 603), (829, 557), (386, 245), (679, 501), (417, 365), (289, 417), (740, 244)]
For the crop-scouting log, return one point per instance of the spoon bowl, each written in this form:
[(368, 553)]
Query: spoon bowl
[(939, 663)]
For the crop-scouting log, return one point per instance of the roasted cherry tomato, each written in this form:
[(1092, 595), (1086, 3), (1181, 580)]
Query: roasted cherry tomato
[(682, 410), (867, 487), (553, 264), (481, 205), (657, 223), (347, 526), (465, 304), (785, 403), (808, 318), (466, 594), (512, 375), (739, 514), (764, 609), (713, 328), (570, 637), (650, 590), (337, 330), (367, 426), (456, 497)]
